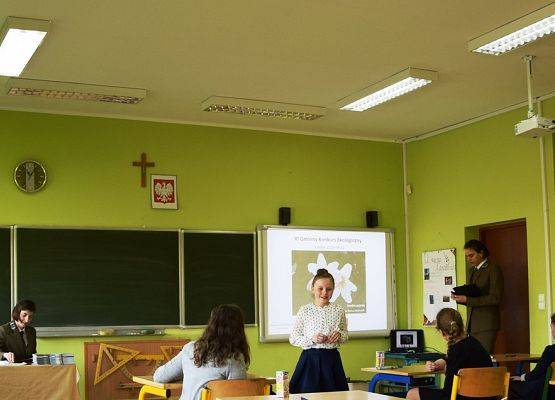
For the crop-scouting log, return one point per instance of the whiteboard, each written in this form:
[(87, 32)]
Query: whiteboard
[(361, 261)]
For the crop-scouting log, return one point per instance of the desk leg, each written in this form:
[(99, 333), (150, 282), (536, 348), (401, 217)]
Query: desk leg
[(374, 382), (146, 389)]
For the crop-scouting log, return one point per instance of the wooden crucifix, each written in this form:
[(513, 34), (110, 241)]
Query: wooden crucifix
[(143, 164)]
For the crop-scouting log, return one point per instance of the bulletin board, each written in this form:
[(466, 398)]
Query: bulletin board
[(439, 275)]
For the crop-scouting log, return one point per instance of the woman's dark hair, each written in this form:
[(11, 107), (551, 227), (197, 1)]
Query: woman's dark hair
[(450, 323), (223, 338), (26, 305), (553, 319), (323, 273), (477, 246)]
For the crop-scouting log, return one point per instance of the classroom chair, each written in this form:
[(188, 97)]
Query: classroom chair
[(549, 376), (235, 388), (481, 382)]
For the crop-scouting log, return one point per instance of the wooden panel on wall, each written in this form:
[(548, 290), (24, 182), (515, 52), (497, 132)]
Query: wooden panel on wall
[(109, 366)]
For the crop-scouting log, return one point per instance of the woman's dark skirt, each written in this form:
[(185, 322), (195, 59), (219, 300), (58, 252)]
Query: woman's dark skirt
[(318, 370)]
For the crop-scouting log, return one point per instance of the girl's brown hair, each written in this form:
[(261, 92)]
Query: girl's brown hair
[(450, 323), (323, 273), (223, 338)]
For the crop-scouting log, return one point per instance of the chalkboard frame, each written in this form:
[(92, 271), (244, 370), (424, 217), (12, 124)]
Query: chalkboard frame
[(254, 271), (114, 330), (11, 273)]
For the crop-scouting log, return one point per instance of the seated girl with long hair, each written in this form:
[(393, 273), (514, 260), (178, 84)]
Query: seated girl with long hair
[(222, 352)]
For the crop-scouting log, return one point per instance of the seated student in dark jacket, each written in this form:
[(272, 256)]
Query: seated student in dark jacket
[(18, 340), (530, 386), (463, 351)]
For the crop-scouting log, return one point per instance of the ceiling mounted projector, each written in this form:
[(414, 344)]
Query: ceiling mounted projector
[(535, 126)]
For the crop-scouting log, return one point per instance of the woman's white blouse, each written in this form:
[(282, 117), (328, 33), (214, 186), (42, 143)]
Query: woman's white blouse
[(312, 319)]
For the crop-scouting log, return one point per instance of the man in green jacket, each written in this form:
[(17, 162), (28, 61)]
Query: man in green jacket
[(18, 340), (483, 317)]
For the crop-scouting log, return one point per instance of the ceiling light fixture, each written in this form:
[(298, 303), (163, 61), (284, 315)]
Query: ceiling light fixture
[(262, 108), (517, 33), (397, 85), (74, 91), (19, 39)]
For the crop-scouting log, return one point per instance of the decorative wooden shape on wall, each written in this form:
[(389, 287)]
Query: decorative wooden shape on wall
[(110, 366)]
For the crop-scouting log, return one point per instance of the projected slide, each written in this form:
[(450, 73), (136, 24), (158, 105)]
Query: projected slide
[(358, 260)]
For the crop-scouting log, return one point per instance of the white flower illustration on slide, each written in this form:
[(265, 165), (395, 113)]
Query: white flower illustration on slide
[(342, 278)]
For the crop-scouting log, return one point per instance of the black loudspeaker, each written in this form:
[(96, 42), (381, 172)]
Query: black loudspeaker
[(371, 219), (284, 215)]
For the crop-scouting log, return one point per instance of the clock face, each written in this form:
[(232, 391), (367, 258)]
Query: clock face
[(30, 176)]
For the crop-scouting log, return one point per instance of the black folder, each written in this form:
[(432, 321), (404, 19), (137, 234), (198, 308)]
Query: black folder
[(467, 290)]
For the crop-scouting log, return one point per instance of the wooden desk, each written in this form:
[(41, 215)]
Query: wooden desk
[(520, 358), (39, 382), (350, 395), (404, 376), (164, 389)]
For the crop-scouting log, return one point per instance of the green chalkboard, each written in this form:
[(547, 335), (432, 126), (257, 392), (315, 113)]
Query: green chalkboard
[(99, 277), (5, 279), (218, 268)]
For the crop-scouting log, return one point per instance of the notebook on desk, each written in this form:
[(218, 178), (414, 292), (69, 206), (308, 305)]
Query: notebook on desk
[(406, 340)]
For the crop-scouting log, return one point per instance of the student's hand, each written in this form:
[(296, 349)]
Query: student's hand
[(9, 357), (459, 298), (319, 338), (516, 378), (431, 366), (334, 337)]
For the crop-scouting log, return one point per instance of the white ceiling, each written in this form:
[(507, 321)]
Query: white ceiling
[(311, 52)]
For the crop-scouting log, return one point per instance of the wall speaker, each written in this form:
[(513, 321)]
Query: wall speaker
[(371, 219), (284, 215)]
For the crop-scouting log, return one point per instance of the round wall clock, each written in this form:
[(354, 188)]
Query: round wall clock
[(30, 176)]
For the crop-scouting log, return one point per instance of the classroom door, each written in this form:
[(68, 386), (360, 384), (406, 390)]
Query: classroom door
[(507, 247)]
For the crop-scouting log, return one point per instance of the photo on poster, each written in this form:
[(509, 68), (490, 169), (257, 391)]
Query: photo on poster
[(348, 269)]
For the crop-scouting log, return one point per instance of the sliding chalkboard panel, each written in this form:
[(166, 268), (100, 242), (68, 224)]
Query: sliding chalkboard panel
[(99, 277), (218, 269), (5, 280)]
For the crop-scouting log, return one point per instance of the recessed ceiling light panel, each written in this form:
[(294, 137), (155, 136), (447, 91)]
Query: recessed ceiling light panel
[(19, 39), (74, 91), (262, 108), (397, 85), (517, 33)]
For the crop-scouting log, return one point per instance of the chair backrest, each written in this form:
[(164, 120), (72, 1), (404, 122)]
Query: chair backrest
[(549, 376), (235, 388), (481, 382)]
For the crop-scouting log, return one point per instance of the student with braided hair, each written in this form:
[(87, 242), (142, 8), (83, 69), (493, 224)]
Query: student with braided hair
[(463, 351)]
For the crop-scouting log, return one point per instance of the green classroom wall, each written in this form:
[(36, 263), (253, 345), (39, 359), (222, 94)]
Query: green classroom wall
[(228, 179), (233, 179), (474, 175)]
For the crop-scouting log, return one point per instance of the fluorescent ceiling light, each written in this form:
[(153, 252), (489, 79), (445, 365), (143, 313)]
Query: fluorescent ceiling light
[(74, 91), (262, 108), (19, 39), (517, 33), (397, 85)]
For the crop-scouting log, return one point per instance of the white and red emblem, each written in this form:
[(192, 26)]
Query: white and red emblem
[(164, 191)]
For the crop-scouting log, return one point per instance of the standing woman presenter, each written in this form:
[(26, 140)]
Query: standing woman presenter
[(319, 329)]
